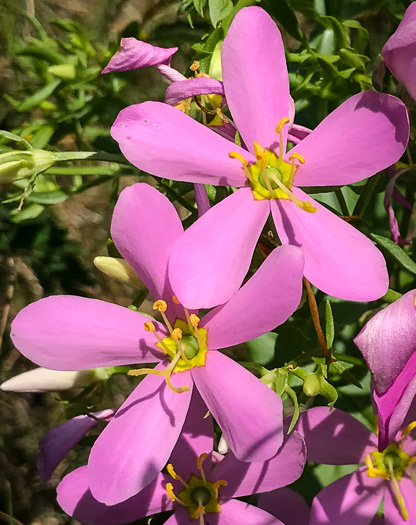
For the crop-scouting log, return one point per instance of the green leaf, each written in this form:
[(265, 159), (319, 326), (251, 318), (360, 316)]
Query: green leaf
[(219, 9), (294, 399), (262, 348), (391, 296), (29, 212), (361, 41), (11, 136), (48, 197), (329, 326), (395, 252), (341, 33), (199, 6), (39, 96)]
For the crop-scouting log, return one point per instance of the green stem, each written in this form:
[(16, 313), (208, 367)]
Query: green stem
[(176, 196), (65, 156), (366, 194)]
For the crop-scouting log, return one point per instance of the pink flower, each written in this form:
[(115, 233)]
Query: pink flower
[(70, 333), (366, 134), (388, 344), (399, 52), (191, 488), (336, 438)]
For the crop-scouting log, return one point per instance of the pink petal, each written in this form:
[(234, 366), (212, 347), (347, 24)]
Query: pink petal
[(251, 478), (339, 260), (248, 412), (267, 300), (387, 341), (192, 87), (75, 499), (287, 505), (392, 513), (364, 135), (65, 332), (181, 517), (196, 438), (146, 243), (255, 76), (209, 262), (234, 511), (394, 405), (335, 438), (399, 52), (165, 142), (201, 199), (134, 53), (353, 499), (137, 443), (59, 441)]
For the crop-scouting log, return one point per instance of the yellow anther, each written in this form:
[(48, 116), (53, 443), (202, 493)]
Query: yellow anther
[(217, 485), (149, 326), (283, 122), (194, 319), (373, 472), (198, 511), (174, 475), (144, 371), (260, 155), (175, 300), (307, 206), (298, 156), (195, 66), (238, 156), (176, 334), (169, 490), (160, 305), (200, 460)]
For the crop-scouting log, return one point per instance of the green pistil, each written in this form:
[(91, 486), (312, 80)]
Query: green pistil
[(190, 346)]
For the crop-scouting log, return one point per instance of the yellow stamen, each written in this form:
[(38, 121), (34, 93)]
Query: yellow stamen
[(200, 511), (217, 485), (144, 371), (176, 334), (172, 495), (168, 373), (283, 122), (260, 155), (373, 472), (195, 66), (150, 327), (161, 305), (400, 499), (199, 465), (175, 300), (303, 205), (238, 156), (298, 156), (194, 319), (174, 475)]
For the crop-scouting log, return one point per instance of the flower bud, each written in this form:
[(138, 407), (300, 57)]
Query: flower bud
[(120, 270), (45, 380), (65, 71), (15, 165)]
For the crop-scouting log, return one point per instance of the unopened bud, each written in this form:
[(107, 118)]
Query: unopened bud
[(65, 71), (311, 385), (15, 165), (120, 270), (215, 67)]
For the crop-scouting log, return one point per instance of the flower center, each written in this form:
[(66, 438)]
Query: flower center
[(185, 347), (391, 464), (199, 495), (271, 177)]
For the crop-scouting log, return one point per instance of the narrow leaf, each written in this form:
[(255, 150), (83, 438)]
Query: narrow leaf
[(396, 252)]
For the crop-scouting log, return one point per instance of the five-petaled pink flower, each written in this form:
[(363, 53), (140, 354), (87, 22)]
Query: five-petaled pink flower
[(337, 438), (71, 333), (195, 492), (366, 134)]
